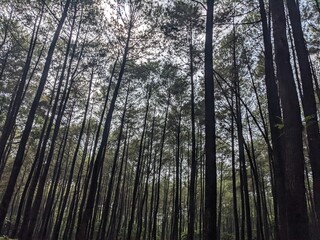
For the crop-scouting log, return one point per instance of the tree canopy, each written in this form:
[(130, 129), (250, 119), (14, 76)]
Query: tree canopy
[(182, 119)]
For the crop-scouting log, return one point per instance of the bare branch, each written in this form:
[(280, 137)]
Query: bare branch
[(202, 4)]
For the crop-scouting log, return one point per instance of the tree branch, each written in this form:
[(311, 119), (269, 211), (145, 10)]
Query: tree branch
[(202, 4)]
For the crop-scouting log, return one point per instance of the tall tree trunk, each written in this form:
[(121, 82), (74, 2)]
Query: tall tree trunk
[(308, 100), (93, 151), (243, 169), (34, 213), (156, 208), (82, 230), (234, 177), (14, 108), (138, 170), (33, 168), (113, 171), (210, 218), (69, 228), (256, 183), (115, 207), (177, 183), (26, 132), (47, 212), (192, 192), (238, 118), (42, 167), (58, 223), (165, 205), (297, 216), (219, 225), (275, 117), (97, 135)]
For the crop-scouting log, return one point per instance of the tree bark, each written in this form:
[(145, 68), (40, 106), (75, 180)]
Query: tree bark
[(276, 133), (210, 217), (308, 100), (297, 216)]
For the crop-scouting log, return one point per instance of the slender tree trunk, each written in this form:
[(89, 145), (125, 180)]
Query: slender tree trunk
[(113, 171), (115, 207), (243, 170), (69, 229), (275, 117), (34, 213), (177, 183), (156, 208), (41, 167), (58, 223), (165, 206), (90, 163), (25, 135), (210, 219), (256, 182), (238, 118), (234, 177), (152, 203), (138, 170), (123, 185), (83, 225), (146, 185), (47, 212), (192, 192), (33, 168), (220, 202), (14, 201), (93, 151), (14, 108)]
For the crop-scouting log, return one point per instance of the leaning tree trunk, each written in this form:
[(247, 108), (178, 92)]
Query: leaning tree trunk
[(58, 223), (15, 106), (106, 209), (24, 227), (115, 208), (34, 166), (82, 229), (26, 132)]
